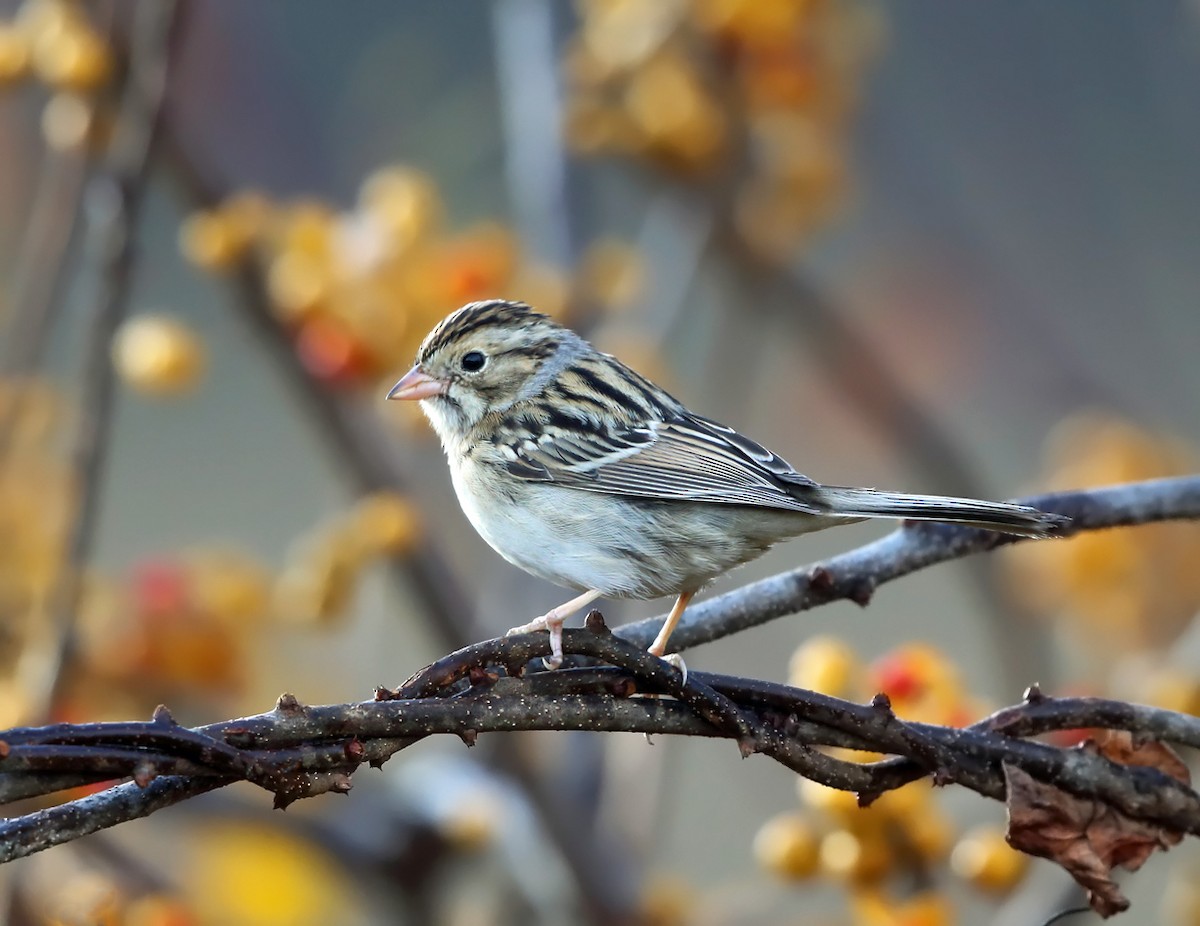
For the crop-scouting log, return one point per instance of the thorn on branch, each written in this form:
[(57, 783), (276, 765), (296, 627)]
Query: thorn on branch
[(820, 581), (594, 622), (288, 704), (162, 716), (862, 591), (469, 736), (1034, 694)]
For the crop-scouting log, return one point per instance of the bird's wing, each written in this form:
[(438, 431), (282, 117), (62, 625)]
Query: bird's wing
[(686, 458)]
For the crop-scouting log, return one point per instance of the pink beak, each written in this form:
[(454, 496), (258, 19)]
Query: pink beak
[(417, 384)]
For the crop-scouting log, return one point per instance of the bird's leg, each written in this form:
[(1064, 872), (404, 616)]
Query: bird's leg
[(659, 646), (552, 621)]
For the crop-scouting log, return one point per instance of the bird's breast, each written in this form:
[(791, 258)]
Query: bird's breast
[(624, 547)]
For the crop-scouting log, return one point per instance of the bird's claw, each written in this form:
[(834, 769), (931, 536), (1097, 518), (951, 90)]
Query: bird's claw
[(675, 660), (554, 626)]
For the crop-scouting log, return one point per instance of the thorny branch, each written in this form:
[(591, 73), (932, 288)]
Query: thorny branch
[(296, 751)]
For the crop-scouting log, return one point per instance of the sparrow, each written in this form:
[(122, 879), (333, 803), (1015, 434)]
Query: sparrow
[(580, 471)]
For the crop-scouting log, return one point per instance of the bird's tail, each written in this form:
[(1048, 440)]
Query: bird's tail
[(993, 516)]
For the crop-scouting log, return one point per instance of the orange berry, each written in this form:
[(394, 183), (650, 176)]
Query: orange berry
[(332, 352), (160, 587)]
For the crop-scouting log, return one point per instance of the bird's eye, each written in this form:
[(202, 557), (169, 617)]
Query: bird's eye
[(473, 361)]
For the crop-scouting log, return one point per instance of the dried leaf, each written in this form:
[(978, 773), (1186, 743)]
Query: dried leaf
[(1088, 838), (1119, 746)]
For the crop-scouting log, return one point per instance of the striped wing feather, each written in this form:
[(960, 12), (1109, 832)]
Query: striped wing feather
[(688, 458)]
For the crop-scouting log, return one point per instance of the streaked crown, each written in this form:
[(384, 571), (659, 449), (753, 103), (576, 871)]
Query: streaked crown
[(513, 321)]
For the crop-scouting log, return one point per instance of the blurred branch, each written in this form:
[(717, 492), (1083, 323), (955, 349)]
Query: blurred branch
[(41, 271), (531, 109), (115, 195), (296, 751)]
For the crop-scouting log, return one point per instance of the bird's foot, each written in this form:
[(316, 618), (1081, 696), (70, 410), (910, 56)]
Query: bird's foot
[(674, 659), (553, 623)]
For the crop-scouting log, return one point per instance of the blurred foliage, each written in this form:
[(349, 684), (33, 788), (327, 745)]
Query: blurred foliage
[(1118, 591), (759, 96)]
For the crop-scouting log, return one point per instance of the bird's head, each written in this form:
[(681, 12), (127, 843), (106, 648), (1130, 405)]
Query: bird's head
[(484, 358)]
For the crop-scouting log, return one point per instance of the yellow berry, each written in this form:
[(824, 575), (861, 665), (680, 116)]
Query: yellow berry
[(157, 355), (667, 901), (229, 586), (66, 121), (674, 113), (297, 283), (860, 859), (875, 908), (611, 273), (830, 800), (1174, 690), (14, 54), (824, 664), (73, 58), (211, 241), (387, 522), (788, 846), (405, 201), (472, 824), (987, 861)]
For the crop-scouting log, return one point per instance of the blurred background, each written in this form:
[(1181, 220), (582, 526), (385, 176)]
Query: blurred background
[(938, 248)]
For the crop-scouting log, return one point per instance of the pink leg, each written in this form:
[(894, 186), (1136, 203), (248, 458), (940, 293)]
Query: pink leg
[(552, 621), (659, 646)]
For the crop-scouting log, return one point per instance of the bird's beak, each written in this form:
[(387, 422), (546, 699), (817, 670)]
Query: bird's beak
[(417, 384)]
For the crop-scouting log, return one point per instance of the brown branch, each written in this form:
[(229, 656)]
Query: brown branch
[(297, 751)]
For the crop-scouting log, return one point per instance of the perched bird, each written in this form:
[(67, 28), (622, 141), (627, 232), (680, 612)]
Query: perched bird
[(580, 471)]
